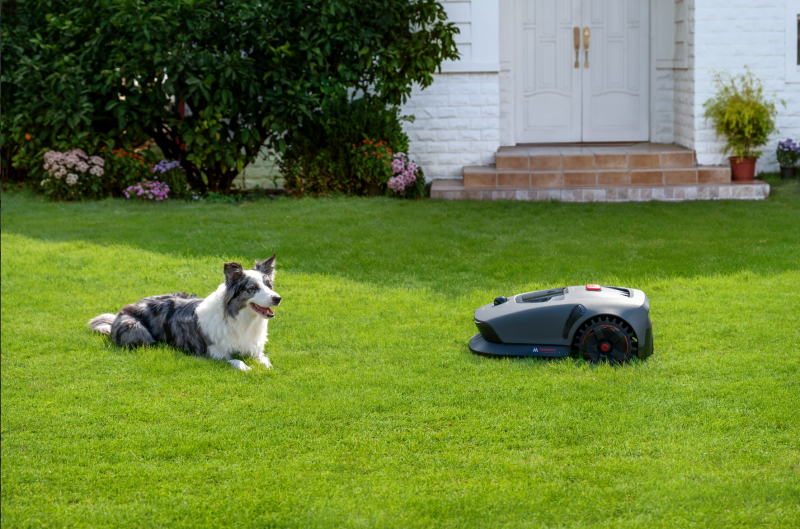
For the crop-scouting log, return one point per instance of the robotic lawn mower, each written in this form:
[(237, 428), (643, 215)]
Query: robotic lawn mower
[(604, 324)]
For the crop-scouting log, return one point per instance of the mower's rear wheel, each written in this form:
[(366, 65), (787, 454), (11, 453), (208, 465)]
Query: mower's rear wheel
[(605, 339)]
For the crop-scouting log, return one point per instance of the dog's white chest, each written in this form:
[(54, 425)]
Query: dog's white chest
[(244, 334)]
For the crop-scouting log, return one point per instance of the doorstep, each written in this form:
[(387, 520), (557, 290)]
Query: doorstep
[(454, 189)]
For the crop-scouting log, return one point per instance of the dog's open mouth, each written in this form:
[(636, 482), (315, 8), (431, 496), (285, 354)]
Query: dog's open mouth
[(267, 312)]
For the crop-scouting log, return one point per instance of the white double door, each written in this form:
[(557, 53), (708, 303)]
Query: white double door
[(600, 96)]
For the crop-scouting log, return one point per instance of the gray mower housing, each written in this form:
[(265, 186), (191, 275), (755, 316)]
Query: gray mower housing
[(545, 323)]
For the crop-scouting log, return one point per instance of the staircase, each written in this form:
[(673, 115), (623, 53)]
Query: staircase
[(598, 173)]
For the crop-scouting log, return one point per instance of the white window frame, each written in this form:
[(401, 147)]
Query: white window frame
[(792, 68), (484, 39)]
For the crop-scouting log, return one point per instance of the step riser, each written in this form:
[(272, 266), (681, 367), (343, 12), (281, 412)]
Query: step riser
[(756, 190), (581, 162), (491, 178)]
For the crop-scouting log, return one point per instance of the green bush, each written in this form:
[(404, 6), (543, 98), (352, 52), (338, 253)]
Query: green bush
[(742, 113), (116, 73), (172, 174), (325, 155), (126, 168)]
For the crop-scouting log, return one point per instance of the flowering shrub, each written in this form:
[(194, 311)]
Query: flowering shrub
[(147, 190), (172, 174), (328, 153), (125, 169), (372, 161), (72, 174), (788, 153), (403, 173), (407, 180)]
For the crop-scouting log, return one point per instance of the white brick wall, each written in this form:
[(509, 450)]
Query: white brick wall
[(662, 108), (507, 122), (684, 125), (730, 34), (457, 123)]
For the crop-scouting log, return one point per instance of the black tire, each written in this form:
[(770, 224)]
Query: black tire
[(605, 339)]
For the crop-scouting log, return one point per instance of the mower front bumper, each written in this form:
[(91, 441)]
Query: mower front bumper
[(478, 344)]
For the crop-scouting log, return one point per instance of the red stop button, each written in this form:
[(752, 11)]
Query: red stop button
[(592, 287)]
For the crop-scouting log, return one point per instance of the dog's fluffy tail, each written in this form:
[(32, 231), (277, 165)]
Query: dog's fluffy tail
[(102, 323)]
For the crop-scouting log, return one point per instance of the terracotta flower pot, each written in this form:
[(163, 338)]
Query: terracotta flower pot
[(743, 168)]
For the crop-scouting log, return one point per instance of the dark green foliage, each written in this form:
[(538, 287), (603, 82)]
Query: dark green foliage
[(322, 156), (85, 73), (124, 169), (176, 180)]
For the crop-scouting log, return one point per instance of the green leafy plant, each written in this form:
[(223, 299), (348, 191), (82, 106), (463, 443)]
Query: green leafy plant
[(126, 168), (211, 82), (371, 161), (213, 197), (325, 155), (788, 153), (742, 113), (172, 174)]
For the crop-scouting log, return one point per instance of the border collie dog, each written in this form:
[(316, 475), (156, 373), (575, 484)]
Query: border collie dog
[(232, 319)]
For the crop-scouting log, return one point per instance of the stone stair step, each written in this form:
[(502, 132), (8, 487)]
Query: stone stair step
[(543, 159), (491, 177), (455, 189)]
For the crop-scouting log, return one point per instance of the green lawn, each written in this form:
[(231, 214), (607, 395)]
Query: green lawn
[(376, 414)]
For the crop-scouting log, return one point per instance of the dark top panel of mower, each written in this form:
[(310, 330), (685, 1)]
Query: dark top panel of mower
[(538, 317)]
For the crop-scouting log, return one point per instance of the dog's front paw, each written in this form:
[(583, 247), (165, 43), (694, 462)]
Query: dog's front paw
[(265, 362), (238, 364)]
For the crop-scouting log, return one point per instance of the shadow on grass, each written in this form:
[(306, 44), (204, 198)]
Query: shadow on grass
[(449, 247)]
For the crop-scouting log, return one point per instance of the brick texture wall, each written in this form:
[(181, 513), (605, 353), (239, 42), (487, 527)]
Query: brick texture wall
[(729, 34), (457, 123), (662, 116), (684, 93)]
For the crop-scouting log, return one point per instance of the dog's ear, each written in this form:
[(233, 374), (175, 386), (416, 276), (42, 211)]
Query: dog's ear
[(233, 271), (267, 267)]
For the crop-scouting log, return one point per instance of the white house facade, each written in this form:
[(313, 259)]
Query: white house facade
[(579, 72)]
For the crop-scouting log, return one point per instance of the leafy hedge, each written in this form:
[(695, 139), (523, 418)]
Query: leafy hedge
[(325, 155), (209, 81)]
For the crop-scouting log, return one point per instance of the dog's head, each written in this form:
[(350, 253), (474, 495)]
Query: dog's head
[(251, 290)]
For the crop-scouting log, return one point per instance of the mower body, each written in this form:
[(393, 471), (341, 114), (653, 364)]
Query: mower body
[(545, 323)]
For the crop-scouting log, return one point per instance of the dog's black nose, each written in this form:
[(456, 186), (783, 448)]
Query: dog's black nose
[(276, 299)]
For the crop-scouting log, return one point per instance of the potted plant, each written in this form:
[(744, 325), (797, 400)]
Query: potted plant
[(745, 116), (788, 153)]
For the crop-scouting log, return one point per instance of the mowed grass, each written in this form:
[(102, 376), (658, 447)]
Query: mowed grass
[(376, 414)]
